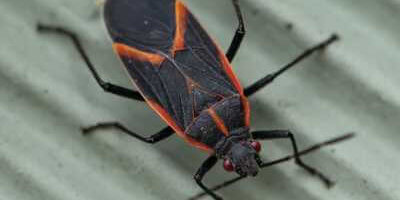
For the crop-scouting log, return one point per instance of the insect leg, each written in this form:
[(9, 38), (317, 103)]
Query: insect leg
[(163, 134), (239, 34), (204, 168), (107, 87), (305, 151), (278, 134), (253, 88)]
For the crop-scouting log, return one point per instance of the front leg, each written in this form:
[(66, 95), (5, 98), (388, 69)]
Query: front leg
[(303, 152), (279, 134), (204, 168)]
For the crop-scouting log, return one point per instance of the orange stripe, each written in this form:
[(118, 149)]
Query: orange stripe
[(181, 14), (246, 108), (179, 43), (168, 119), (218, 121), (128, 51), (165, 116), (228, 69), (181, 20)]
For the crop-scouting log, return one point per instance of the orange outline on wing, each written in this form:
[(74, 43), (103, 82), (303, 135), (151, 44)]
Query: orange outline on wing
[(228, 69), (181, 13), (181, 22), (128, 51), (168, 119)]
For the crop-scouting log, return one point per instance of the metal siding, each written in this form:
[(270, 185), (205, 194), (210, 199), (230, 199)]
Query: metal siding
[(47, 94)]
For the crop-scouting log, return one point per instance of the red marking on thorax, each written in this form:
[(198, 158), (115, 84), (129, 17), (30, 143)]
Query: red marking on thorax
[(218, 121), (246, 108)]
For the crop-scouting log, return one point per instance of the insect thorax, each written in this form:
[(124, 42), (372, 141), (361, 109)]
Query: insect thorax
[(220, 123)]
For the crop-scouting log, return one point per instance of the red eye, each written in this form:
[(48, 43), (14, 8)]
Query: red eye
[(228, 165), (256, 146)]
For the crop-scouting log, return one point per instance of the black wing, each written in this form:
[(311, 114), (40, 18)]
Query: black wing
[(178, 68)]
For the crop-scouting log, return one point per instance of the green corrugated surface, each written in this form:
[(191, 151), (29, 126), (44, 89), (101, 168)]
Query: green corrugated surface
[(47, 94)]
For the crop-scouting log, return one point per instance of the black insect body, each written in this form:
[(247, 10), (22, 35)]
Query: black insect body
[(186, 78)]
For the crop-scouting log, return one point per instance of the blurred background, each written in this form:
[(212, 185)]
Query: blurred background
[(47, 94)]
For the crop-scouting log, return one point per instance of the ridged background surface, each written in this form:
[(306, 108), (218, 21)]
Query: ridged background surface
[(47, 94)]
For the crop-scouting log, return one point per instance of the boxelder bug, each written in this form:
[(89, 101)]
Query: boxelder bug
[(187, 79)]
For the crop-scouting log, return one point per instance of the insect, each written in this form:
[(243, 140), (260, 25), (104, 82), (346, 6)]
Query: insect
[(184, 76)]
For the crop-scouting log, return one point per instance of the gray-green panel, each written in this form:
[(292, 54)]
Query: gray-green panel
[(47, 94)]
